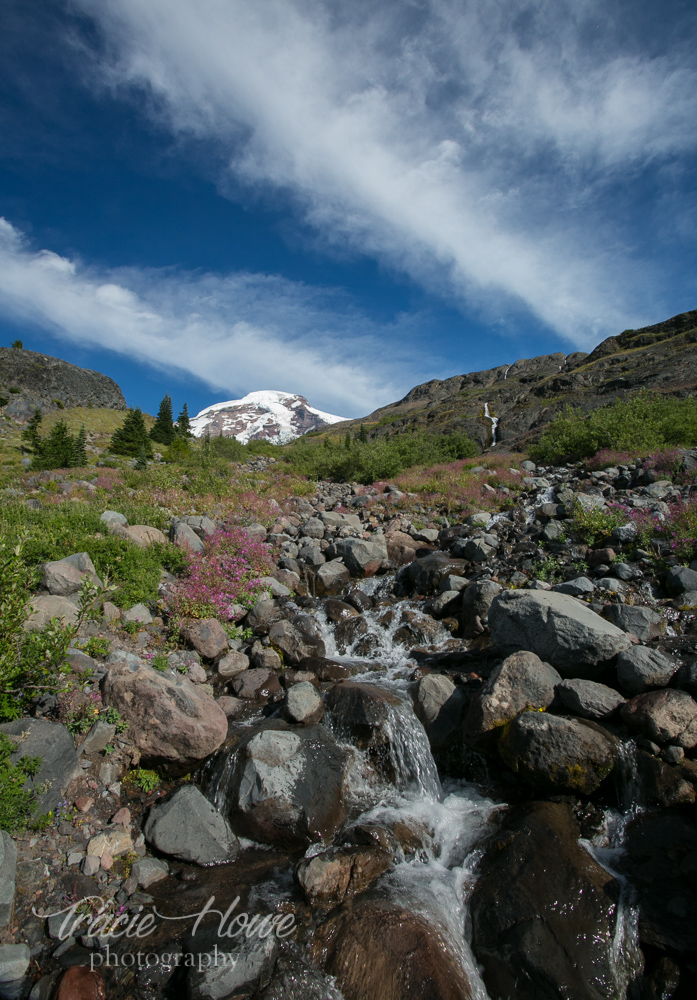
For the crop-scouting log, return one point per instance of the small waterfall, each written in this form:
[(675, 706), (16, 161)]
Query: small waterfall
[(494, 423), (505, 374), (410, 752)]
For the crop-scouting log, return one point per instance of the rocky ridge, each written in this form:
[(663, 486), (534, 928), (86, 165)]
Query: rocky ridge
[(512, 403), (31, 381), (391, 652)]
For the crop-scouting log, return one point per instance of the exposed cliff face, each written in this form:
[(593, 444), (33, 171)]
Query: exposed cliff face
[(30, 380), (521, 398)]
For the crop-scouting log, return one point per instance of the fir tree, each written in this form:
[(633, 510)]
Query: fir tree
[(163, 432), (31, 434), (79, 457), (142, 460), (184, 423), (56, 450), (363, 436), (131, 436), (347, 441)]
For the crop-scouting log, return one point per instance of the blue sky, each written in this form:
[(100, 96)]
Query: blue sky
[(209, 197)]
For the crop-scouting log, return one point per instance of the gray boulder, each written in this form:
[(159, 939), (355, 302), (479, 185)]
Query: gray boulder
[(304, 704), (579, 587), (439, 706), (476, 549), (295, 644), (262, 617), (138, 613), (14, 966), (112, 519), (288, 786), (589, 699), (639, 669), (243, 968), (147, 871), (642, 622), (184, 537), (44, 607), (232, 664), (332, 578), (680, 579), (208, 638), (554, 753), (476, 602), (625, 533), (65, 576), (520, 683), (363, 558), (59, 763), (188, 827), (274, 586), (8, 871), (558, 628), (665, 716)]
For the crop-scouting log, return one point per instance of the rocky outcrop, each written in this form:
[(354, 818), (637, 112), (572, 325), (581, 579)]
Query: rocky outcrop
[(45, 383)]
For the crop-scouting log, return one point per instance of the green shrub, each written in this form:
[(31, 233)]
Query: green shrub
[(646, 422), (594, 523), (17, 803), (375, 459), (146, 781)]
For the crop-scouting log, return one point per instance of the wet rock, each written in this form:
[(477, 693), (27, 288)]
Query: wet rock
[(173, 722), (639, 669), (248, 972), (208, 638), (231, 706), (659, 857), (258, 684), (295, 644), (273, 791), (665, 716), (331, 877), (66, 576), (362, 712), (520, 683), (45, 607), (183, 536), (332, 578), (439, 706), (337, 611), (377, 949), (425, 574), (303, 704), (189, 828), (8, 871), (232, 664), (353, 634), (662, 785), (530, 946), (294, 979), (589, 699), (558, 628), (644, 623), (554, 753), (59, 763), (363, 558)]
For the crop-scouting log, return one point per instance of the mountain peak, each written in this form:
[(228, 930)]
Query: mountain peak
[(266, 415)]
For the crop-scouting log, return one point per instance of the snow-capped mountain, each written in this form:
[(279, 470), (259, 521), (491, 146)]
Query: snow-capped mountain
[(267, 415)]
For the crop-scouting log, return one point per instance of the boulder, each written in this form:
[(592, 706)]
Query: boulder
[(362, 713), (66, 576), (189, 828), (141, 535), (295, 644), (14, 966), (59, 762), (363, 558), (45, 607), (558, 628), (588, 698), (274, 586), (544, 911), (581, 586), (262, 617), (208, 638), (79, 983), (476, 549), (639, 669), (272, 791), (258, 684), (476, 603), (148, 871), (174, 723), (660, 784), (304, 704), (337, 611), (98, 738), (520, 683), (425, 575), (401, 547), (184, 537), (138, 613), (332, 578), (558, 754), (439, 706), (665, 716), (331, 877), (644, 623), (246, 969), (378, 949), (333, 519), (294, 978), (112, 518), (681, 578), (232, 664)]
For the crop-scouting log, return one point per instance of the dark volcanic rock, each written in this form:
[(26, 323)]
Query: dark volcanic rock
[(44, 382), (544, 911)]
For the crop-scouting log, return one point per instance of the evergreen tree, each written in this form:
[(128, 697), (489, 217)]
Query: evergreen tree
[(184, 424), (131, 436), (31, 434), (56, 450), (163, 432), (18, 345), (79, 457), (363, 436), (142, 460), (347, 441)]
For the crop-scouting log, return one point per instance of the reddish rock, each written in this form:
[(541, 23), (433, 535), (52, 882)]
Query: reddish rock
[(208, 638), (258, 684), (84, 803), (79, 983), (122, 817)]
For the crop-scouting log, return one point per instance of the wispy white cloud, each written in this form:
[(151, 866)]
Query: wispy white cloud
[(471, 145), (237, 332)]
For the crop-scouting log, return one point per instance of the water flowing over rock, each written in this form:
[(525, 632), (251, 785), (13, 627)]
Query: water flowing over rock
[(558, 628)]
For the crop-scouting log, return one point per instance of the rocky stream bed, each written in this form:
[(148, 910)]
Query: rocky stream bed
[(427, 773)]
